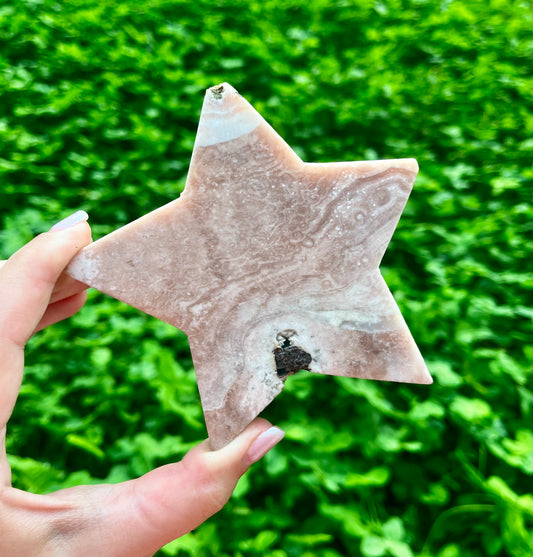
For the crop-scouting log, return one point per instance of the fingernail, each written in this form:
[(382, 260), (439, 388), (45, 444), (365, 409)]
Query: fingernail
[(75, 218), (268, 439)]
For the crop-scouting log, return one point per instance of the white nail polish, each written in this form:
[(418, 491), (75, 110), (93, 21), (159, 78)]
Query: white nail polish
[(71, 220), (268, 439)]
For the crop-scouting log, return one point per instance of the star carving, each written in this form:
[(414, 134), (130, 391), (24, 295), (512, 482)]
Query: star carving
[(269, 265)]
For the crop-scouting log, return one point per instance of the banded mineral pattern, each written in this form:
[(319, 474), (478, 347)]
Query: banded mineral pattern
[(269, 264)]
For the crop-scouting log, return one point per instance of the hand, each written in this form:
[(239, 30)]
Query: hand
[(134, 518)]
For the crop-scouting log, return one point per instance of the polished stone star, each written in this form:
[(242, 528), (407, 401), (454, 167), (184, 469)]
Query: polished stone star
[(269, 264)]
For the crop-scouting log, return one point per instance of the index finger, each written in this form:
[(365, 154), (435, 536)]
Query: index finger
[(27, 280)]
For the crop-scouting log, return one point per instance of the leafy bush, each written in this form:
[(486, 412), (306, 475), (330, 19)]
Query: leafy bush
[(100, 102)]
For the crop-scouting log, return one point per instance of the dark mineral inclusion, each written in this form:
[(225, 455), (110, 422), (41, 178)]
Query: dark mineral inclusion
[(290, 359)]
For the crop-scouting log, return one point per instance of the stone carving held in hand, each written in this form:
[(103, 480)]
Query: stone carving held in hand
[(269, 264)]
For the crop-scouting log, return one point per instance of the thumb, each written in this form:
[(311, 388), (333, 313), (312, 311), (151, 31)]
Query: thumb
[(172, 500)]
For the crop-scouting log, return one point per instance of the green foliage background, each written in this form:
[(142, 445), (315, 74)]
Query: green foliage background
[(99, 102)]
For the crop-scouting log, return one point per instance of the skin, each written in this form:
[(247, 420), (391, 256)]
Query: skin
[(134, 518)]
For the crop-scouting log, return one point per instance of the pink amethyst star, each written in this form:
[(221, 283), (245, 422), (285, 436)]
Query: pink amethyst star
[(269, 264)]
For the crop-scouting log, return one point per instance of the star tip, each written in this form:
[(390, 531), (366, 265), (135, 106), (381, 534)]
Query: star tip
[(218, 92), (413, 164)]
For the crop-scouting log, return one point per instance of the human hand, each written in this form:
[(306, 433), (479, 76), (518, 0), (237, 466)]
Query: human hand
[(134, 518)]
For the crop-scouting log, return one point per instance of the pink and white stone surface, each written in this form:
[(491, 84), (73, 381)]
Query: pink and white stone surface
[(269, 264)]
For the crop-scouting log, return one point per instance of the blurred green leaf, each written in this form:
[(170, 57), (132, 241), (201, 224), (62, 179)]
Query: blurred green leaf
[(372, 546), (470, 409)]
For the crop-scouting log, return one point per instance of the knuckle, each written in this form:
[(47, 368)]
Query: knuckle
[(211, 483)]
